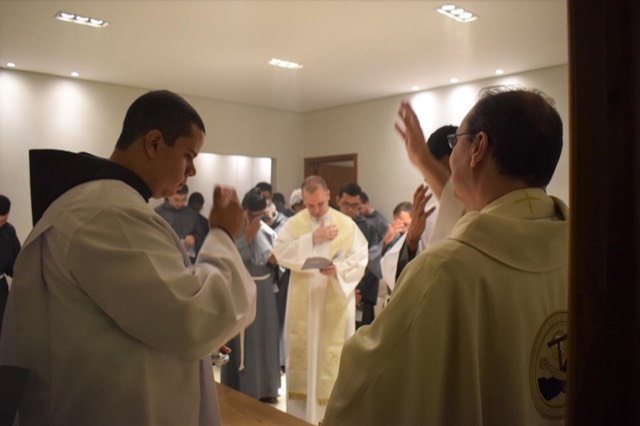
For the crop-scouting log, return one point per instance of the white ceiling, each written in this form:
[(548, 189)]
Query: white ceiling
[(351, 50)]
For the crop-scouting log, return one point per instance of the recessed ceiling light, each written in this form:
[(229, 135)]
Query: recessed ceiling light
[(499, 71), (457, 13), (11, 65), (284, 64), (74, 74), (414, 88), (80, 19), (453, 80)]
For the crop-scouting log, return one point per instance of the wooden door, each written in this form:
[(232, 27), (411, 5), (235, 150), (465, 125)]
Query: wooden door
[(336, 170), (604, 298)]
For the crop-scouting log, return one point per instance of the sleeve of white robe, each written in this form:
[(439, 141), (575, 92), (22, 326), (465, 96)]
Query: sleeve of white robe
[(131, 269), (389, 262), (351, 268), (292, 252), (438, 228), (448, 212)]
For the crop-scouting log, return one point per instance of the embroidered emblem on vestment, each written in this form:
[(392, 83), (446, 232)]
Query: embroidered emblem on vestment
[(548, 367)]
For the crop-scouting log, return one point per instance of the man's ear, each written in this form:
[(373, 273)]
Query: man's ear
[(152, 141), (480, 149)]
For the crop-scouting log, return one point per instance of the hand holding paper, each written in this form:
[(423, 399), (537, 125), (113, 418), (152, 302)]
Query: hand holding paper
[(316, 262), (320, 262)]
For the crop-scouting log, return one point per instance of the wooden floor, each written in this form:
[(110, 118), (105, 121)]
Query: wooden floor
[(238, 409)]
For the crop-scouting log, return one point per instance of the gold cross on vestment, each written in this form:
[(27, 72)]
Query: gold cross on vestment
[(528, 199)]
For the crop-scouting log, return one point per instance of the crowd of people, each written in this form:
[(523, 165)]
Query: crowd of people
[(470, 330)]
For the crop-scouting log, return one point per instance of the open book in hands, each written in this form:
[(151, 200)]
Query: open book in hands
[(319, 262)]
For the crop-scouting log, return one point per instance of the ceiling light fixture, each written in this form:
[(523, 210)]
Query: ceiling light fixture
[(284, 64), (74, 74), (80, 19), (11, 65), (453, 80), (457, 13), (499, 71), (415, 88)]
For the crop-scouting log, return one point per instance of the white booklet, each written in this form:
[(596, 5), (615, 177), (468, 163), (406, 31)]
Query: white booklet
[(316, 262), (319, 262)]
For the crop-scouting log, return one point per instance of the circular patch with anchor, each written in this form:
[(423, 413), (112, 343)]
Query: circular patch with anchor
[(548, 366)]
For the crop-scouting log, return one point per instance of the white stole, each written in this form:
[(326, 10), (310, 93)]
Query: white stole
[(333, 329)]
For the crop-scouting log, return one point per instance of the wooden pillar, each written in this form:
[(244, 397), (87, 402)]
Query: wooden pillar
[(604, 302)]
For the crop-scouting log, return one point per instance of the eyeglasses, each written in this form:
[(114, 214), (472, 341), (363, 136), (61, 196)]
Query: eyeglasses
[(453, 138), (347, 205)]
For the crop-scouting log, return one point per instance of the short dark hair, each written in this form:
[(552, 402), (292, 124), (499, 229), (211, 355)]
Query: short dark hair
[(351, 189), (253, 200), (196, 199), (311, 183), (184, 189), (525, 132), (264, 186), (404, 206), (5, 205), (438, 144), (161, 110), (364, 197), (278, 198)]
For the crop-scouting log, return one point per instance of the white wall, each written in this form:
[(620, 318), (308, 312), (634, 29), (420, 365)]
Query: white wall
[(41, 111), (384, 171), (239, 171)]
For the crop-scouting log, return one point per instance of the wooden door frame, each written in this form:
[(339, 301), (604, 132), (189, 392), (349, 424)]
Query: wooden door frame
[(311, 164), (603, 382)]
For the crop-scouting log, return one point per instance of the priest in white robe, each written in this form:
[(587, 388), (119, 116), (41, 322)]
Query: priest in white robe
[(476, 330), (434, 217), (114, 324), (321, 302)]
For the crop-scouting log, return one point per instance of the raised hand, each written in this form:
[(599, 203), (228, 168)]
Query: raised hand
[(226, 212), (433, 171), (396, 227), (412, 135), (419, 216)]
